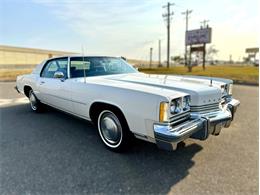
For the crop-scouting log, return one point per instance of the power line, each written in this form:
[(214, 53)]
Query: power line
[(186, 13), (168, 18)]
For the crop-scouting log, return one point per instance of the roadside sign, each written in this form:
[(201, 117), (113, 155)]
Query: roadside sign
[(252, 50), (194, 49), (198, 36)]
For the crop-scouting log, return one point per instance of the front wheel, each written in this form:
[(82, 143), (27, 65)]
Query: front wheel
[(35, 104), (113, 130)]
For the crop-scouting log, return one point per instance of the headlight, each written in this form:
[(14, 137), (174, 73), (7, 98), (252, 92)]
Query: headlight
[(176, 106), (226, 89), (186, 103), (230, 89), (163, 116), (222, 89)]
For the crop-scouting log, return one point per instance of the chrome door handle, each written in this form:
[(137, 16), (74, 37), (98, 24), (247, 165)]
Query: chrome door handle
[(42, 82)]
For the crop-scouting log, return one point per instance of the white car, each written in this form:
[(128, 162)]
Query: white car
[(124, 103)]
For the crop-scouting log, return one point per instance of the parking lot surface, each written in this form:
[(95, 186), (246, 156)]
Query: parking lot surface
[(55, 153)]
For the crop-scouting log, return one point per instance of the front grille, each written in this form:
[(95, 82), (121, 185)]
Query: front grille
[(179, 118), (205, 108)]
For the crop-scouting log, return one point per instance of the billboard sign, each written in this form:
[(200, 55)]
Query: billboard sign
[(198, 36), (252, 50)]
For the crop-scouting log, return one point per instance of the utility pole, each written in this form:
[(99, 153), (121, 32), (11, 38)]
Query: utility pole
[(159, 53), (204, 24), (230, 59), (186, 13), (168, 19), (151, 57)]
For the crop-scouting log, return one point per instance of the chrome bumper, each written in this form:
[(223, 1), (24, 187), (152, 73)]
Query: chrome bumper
[(197, 127), (232, 107)]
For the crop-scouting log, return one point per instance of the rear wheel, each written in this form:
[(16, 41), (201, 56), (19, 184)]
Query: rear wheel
[(35, 104), (113, 130)]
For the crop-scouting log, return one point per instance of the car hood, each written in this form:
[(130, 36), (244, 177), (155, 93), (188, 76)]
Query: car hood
[(201, 94), (118, 82), (218, 82)]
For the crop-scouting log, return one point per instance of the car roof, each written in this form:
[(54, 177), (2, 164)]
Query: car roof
[(70, 56)]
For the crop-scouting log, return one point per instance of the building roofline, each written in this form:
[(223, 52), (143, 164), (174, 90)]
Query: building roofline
[(33, 50)]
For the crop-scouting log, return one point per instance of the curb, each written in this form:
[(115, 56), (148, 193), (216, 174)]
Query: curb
[(245, 83)]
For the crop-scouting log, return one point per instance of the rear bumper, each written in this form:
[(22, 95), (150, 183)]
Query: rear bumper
[(197, 127)]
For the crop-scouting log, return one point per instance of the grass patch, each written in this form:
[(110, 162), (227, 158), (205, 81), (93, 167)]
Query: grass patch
[(240, 74)]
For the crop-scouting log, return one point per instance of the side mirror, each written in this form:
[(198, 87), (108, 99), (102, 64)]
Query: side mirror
[(59, 75)]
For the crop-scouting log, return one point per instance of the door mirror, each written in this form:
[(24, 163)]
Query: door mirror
[(58, 75)]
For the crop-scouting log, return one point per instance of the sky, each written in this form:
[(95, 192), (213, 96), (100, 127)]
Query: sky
[(127, 27)]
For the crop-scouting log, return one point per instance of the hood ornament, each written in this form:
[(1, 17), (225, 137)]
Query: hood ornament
[(210, 82)]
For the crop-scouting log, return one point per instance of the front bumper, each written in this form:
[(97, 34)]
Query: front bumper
[(197, 127)]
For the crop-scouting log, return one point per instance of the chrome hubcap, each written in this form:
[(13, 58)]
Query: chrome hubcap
[(110, 128), (33, 101)]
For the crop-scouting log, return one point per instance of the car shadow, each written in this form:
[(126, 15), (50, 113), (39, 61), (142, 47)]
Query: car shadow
[(55, 153)]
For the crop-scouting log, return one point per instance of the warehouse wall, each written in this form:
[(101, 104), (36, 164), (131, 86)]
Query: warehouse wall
[(18, 58), (26, 56)]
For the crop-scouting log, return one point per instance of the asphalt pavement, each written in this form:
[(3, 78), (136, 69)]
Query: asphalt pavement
[(55, 153)]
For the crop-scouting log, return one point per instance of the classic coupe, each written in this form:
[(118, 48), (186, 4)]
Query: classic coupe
[(125, 104)]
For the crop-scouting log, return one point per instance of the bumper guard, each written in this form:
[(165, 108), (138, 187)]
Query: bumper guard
[(197, 127)]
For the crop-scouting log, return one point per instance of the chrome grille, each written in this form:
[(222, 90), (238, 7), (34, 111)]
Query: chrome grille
[(205, 108), (178, 118)]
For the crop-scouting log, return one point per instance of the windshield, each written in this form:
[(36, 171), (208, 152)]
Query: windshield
[(96, 66)]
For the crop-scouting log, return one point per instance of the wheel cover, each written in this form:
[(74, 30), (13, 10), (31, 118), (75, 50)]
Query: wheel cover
[(110, 129), (33, 101)]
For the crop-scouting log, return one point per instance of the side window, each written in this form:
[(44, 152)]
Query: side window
[(78, 67), (53, 66)]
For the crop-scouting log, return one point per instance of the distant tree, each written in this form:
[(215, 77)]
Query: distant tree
[(176, 58), (211, 53), (246, 59)]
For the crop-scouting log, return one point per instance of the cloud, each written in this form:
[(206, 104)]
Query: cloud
[(131, 27), (107, 26)]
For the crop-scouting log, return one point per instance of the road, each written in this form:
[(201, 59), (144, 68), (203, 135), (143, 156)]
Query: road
[(54, 153)]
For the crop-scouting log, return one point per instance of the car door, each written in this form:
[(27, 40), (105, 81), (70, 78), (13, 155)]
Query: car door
[(55, 91), (79, 86)]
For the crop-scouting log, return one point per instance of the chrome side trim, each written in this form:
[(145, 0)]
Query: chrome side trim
[(67, 111), (65, 99)]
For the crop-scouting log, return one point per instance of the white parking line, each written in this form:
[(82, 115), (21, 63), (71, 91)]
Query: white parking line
[(4, 102)]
